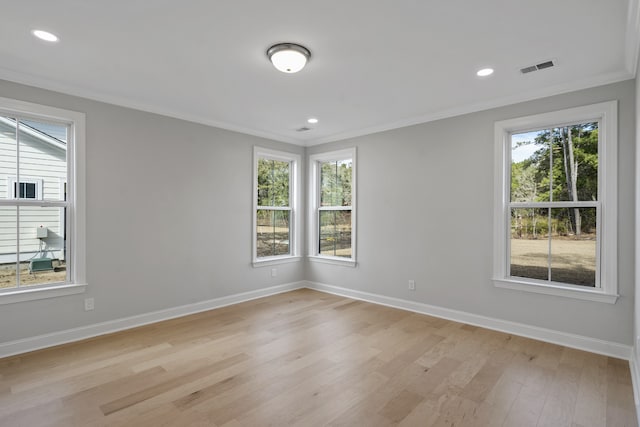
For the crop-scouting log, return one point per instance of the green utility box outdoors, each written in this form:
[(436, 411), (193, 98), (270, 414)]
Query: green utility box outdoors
[(40, 264)]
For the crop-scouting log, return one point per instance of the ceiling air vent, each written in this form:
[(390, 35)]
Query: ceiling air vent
[(526, 70), (303, 129), (540, 66)]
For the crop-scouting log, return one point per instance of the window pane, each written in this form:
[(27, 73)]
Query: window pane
[(568, 172), (529, 256), (8, 157), (273, 183), (8, 244), (335, 183), (43, 156), (575, 162), (573, 246), (42, 245), (335, 233), (27, 190), (530, 160), (273, 233)]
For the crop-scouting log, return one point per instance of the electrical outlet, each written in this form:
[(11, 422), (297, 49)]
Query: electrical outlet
[(89, 304), (412, 285), (274, 272)]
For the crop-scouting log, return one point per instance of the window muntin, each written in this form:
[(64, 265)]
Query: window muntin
[(275, 205), (554, 204), (33, 244), (540, 204), (333, 205)]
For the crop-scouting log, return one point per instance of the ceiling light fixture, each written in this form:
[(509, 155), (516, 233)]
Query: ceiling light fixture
[(45, 35), (288, 57), (484, 72), (312, 120)]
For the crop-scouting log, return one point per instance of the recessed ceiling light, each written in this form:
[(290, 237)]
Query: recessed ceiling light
[(288, 57), (45, 35), (312, 120), (484, 72)]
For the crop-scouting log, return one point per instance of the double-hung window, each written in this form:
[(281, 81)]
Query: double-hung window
[(332, 214), (555, 204), (276, 200), (42, 223)]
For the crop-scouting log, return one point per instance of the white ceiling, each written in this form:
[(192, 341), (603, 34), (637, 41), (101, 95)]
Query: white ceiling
[(375, 65)]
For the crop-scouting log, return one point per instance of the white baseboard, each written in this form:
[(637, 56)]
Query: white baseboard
[(76, 334), (580, 342), (635, 379), (562, 338)]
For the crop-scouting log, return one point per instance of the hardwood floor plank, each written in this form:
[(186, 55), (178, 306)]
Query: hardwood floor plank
[(591, 403), (400, 406), (428, 379), (620, 405), (423, 415), (484, 381), (139, 396), (561, 400)]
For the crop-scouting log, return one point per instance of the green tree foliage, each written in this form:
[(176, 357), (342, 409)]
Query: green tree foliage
[(564, 167), (273, 183), (554, 152), (335, 182)]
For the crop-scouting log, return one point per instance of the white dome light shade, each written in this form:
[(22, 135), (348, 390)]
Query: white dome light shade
[(288, 57), (45, 35), (312, 120), (485, 72)]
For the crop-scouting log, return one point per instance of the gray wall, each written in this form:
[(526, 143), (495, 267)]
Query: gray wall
[(425, 212), (169, 214), (168, 217)]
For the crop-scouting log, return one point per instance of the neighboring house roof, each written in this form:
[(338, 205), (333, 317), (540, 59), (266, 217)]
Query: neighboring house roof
[(36, 133)]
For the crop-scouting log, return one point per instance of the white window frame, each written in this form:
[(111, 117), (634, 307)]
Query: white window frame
[(314, 206), (76, 210), (11, 182), (605, 114), (294, 206)]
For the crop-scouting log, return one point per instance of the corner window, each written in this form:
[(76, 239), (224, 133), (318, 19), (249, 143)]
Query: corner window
[(332, 218), (276, 225), (42, 231), (556, 176)]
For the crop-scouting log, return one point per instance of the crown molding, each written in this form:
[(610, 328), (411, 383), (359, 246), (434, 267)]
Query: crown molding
[(481, 106), (66, 89), (89, 94)]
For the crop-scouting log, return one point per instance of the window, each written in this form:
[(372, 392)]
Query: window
[(42, 227), (275, 224), (555, 213), (332, 214), (29, 188)]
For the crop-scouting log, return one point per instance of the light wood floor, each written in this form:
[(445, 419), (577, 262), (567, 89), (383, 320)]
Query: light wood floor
[(306, 358)]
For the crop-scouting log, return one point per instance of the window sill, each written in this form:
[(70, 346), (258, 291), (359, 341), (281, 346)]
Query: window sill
[(332, 260), (588, 294), (21, 295), (276, 260)]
